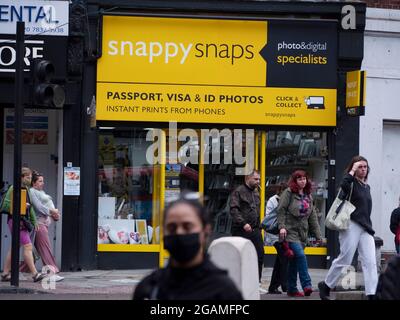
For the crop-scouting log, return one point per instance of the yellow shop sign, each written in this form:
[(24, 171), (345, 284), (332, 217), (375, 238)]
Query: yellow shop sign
[(184, 51), (210, 71), (355, 92)]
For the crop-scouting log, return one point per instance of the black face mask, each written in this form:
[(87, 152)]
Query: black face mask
[(182, 247)]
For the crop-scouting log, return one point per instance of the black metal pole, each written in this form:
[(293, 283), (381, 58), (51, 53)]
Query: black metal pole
[(18, 114)]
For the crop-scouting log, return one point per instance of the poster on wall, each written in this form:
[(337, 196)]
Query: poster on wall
[(35, 126), (72, 181), (171, 195)]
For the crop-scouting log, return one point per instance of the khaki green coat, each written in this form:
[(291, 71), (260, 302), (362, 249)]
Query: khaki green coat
[(298, 227)]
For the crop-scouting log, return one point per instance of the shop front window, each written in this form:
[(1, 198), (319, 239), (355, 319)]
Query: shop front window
[(182, 165), (223, 173), (128, 203), (287, 151)]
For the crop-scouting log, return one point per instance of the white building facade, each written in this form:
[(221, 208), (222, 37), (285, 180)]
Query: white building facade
[(380, 127)]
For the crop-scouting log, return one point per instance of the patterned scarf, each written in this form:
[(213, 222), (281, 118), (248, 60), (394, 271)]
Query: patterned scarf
[(304, 205)]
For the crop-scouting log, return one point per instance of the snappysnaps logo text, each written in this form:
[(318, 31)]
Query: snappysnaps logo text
[(169, 51)]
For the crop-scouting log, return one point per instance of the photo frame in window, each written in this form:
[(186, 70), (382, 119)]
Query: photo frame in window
[(296, 140), (271, 135), (141, 228), (316, 135)]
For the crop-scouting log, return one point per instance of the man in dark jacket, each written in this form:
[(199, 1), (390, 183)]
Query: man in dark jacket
[(245, 211), (389, 281), (395, 227)]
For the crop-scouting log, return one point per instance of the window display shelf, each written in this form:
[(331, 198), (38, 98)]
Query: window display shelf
[(282, 149), (286, 167), (318, 251), (217, 171), (128, 247), (227, 190)]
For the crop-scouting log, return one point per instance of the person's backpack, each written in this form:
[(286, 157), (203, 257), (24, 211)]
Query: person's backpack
[(5, 202), (270, 222)]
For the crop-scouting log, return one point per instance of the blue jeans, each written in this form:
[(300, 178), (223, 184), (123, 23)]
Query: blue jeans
[(397, 248), (298, 264)]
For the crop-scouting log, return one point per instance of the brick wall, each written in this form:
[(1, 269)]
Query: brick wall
[(385, 4)]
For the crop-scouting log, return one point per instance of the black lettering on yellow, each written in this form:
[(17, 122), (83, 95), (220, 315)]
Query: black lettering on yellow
[(198, 46), (225, 50), (251, 56), (212, 45), (234, 56)]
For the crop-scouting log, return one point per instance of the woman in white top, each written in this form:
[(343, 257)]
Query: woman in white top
[(279, 272)]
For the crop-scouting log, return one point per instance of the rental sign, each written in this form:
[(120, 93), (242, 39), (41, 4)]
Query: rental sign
[(48, 18), (217, 71)]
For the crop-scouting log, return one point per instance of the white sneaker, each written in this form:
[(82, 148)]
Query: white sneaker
[(57, 278), (22, 277), (262, 291)]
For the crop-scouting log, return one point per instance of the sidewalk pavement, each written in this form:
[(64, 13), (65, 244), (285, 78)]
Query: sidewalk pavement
[(120, 284)]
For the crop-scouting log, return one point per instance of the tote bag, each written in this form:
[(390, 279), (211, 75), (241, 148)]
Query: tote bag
[(270, 222), (338, 218)]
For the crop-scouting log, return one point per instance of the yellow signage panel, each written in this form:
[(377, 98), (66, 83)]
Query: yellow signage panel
[(209, 104), (184, 51), (355, 92), (23, 202), (212, 71), (353, 80)]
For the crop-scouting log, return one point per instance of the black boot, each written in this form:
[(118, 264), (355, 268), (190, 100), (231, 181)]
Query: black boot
[(324, 290)]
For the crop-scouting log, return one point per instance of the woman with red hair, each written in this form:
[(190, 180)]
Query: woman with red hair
[(296, 217)]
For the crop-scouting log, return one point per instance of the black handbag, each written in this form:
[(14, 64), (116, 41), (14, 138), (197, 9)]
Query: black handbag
[(28, 225)]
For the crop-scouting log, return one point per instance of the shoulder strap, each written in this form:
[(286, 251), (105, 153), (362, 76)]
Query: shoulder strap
[(351, 191), (290, 199)]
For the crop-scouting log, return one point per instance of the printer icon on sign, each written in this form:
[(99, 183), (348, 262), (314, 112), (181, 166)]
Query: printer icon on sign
[(313, 102)]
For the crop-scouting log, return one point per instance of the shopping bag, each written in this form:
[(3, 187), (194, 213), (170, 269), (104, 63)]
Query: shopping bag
[(270, 222), (338, 218)]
